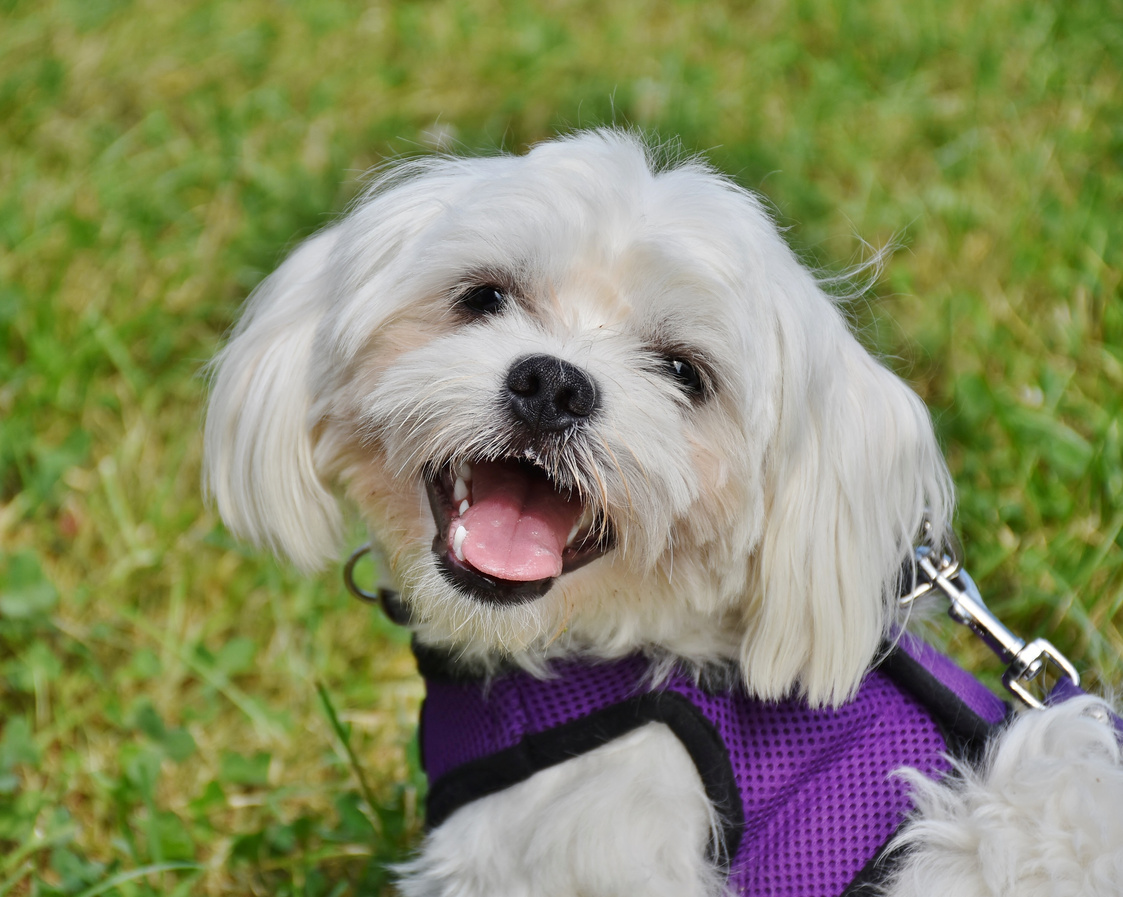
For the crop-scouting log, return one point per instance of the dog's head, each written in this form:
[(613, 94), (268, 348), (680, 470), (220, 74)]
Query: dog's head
[(584, 401)]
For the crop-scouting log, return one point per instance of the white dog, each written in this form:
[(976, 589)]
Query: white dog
[(598, 417)]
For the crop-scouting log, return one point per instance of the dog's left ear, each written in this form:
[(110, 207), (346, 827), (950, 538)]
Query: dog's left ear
[(853, 470)]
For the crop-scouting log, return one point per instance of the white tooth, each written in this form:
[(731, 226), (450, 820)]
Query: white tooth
[(583, 523), (459, 490), (464, 506), (458, 542), (464, 471), (573, 532)]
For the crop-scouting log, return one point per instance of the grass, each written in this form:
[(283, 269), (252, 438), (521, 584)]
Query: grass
[(183, 716)]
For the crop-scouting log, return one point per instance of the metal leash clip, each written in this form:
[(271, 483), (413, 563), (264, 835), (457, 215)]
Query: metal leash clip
[(1024, 661)]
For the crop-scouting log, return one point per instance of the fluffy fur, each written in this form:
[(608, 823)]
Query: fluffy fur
[(755, 480)]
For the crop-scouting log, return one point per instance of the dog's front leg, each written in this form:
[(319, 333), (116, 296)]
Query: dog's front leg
[(628, 818)]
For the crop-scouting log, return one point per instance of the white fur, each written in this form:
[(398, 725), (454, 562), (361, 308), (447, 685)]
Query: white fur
[(1042, 817), (764, 525), (260, 467)]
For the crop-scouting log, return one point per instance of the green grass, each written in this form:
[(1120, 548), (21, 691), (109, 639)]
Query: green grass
[(183, 716)]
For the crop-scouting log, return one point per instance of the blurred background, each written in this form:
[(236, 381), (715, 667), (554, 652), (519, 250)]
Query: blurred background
[(181, 715)]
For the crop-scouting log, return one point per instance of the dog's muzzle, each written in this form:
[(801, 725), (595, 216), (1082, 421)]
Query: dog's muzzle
[(506, 529)]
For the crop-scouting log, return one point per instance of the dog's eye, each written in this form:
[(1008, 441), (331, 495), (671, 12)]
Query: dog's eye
[(486, 299), (687, 376)]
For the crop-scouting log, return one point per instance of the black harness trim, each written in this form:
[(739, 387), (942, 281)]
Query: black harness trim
[(965, 732), (870, 878), (538, 751)]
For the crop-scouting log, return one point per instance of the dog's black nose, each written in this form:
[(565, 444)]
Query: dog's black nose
[(549, 394)]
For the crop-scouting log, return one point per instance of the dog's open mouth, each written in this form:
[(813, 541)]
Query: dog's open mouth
[(505, 531)]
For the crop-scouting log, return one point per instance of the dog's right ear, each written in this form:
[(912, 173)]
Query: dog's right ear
[(259, 464)]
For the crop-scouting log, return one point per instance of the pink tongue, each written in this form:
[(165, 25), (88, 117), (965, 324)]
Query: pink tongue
[(517, 525)]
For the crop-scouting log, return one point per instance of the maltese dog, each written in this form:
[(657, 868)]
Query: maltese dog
[(648, 502)]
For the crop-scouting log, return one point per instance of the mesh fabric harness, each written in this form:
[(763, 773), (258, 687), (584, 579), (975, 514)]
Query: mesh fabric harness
[(807, 796)]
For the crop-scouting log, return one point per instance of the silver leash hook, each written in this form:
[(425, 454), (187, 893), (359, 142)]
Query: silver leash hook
[(1024, 662)]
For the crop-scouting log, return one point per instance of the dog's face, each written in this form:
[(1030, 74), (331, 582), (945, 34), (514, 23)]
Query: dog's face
[(583, 403)]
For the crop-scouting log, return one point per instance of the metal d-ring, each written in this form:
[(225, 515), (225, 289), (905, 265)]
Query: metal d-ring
[(385, 598), (349, 576)]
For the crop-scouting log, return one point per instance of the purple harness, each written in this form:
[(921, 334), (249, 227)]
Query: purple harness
[(808, 797)]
